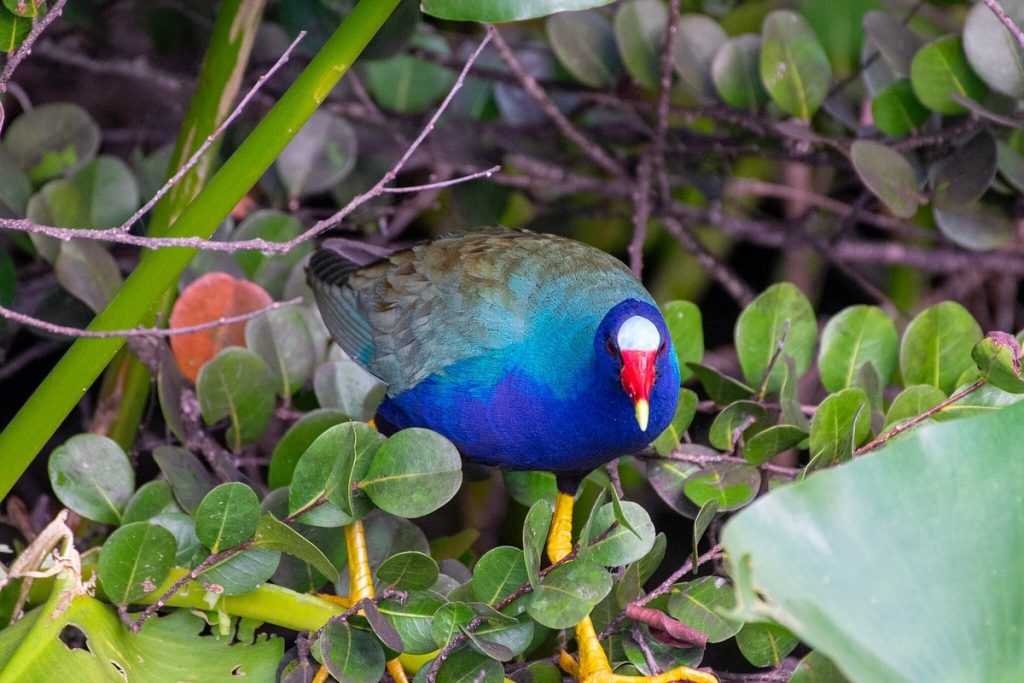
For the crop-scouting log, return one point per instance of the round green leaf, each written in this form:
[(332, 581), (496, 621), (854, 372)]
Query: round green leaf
[(13, 30), (109, 190), (408, 84), (319, 157), (732, 485), (153, 498), (183, 528), (466, 665), (584, 44), (839, 25), (227, 516), (936, 346), (736, 74), (939, 70), (667, 478), (979, 227), (700, 604), (734, 422), (91, 475), (52, 139), (236, 385), (344, 385), (527, 487), (408, 571), (889, 176), (622, 545), (761, 326), (135, 560), (413, 619), (911, 402), (88, 272), (687, 331), (686, 409), (281, 338), (841, 423), (1011, 161), (853, 337), (535, 534), (448, 621), (413, 473), (499, 11), (817, 668), (15, 189), (239, 573), (352, 656), (765, 644), (296, 440), (896, 110), (640, 32), (765, 445), (794, 66), (568, 593), (998, 360), (270, 271), (189, 480), (992, 50), (498, 573), (894, 40), (698, 39), (963, 176), (23, 8)]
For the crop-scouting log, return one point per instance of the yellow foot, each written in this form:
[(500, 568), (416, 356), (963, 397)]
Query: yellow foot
[(593, 666)]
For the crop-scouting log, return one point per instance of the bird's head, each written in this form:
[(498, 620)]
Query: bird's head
[(633, 343)]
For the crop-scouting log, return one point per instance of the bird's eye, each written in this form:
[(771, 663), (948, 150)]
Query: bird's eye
[(609, 346)]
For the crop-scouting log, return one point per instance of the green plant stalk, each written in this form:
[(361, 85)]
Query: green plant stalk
[(220, 79), (61, 390)]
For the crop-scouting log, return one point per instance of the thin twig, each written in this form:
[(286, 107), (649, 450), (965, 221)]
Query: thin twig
[(25, 49), (1008, 22), (641, 214), (904, 426), (537, 92), (53, 328), (730, 280), (441, 184)]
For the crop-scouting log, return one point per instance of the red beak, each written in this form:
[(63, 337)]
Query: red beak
[(637, 381)]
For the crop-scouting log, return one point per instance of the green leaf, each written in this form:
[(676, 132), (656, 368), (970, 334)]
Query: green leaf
[(698, 39), (841, 423), (895, 41), (734, 422), (852, 338), (939, 70), (979, 227), (631, 585), (761, 327), (273, 534), (703, 604), (13, 30), (241, 573), (270, 271), (568, 593), (965, 175), (839, 25), (722, 389), (189, 480), (467, 666), (51, 139), (413, 473), (535, 534), (91, 475), (319, 157), (700, 525), (687, 331), (936, 346), (889, 176), (765, 644), (296, 440), (794, 66), (526, 488), (449, 620), (227, 516), (23, 8), (686, 409), (281, 338), (911, 402), (896, 110), (109, 192), (765, 445), (498, 573), (153, 498), (408, 84), (408, 571), (236, 385), (992, 50), (352, 656), (501, 637), (817, 668), (821, 552), (998, 360), (412, 619), (731, 484), (667, 478), (499, 11), (15, 189), (345, 386), (735, 71), (330, 467), (135, 560), (622, 545), (88, 272), (640, 32), (584, 44)]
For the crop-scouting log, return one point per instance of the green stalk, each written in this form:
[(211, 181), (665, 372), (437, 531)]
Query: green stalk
[(58, 394), (127, 380)]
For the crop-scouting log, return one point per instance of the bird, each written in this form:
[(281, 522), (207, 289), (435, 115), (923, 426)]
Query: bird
[(528, 351)]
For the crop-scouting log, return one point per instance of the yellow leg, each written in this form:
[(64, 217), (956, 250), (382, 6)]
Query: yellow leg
[(593, 666), (360, 586)]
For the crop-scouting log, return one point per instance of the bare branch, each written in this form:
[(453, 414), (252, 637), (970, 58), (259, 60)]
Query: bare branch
[(1008, 22), (441, 184), (729, 279), (641, 214), (25, 49)]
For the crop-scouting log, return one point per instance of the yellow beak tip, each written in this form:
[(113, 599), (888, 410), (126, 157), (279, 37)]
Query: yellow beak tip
[(643, 412)]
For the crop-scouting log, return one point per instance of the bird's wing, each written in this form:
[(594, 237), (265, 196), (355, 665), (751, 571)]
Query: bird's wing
[(419, 310)]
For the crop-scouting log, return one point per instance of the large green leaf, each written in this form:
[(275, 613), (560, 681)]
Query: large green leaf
[(936, 346), (903, 565), (584, 44), (940, 70), (686, 328), (135, 560), (236, 385), (413, 473), (698, 39), (794, 66), (780, 314), (640, 33), (855, 336), (92, 476), (735, 72), (497, 11), (889, 176)]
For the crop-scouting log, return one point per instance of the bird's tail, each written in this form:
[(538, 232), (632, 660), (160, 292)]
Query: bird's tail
[(327, 274)]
